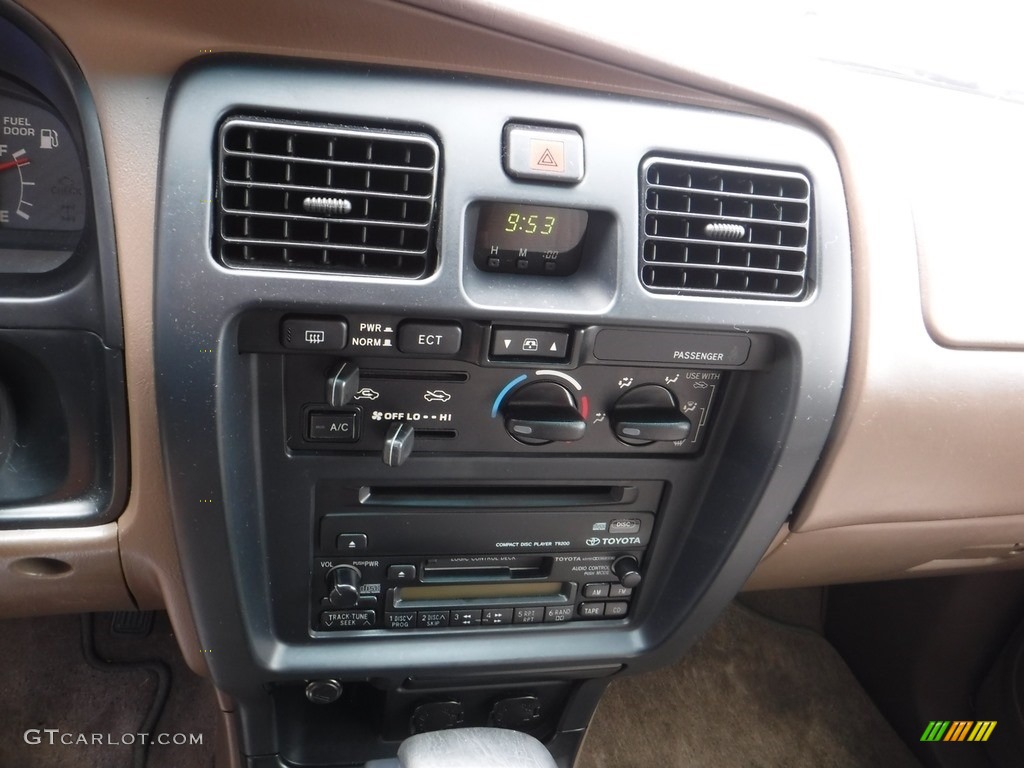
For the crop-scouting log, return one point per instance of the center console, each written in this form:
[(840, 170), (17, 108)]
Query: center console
[(476, 395)]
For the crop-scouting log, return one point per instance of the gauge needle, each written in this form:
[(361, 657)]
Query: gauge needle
[(14, 163)]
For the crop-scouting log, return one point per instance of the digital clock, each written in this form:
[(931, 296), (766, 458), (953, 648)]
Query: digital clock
[(529, 239)]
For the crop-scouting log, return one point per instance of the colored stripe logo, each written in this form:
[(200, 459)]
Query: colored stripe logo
[(958, 730)]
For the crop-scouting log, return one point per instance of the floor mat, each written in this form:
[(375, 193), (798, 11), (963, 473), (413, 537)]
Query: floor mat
[(753, 693), (58, 712)]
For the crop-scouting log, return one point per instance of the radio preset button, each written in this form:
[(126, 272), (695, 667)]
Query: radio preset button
[(558, 613), (615, 610), (466, 618), (406, 620), (529, 615), (595, 590), (592, 610), (432, 619), (496, 616)]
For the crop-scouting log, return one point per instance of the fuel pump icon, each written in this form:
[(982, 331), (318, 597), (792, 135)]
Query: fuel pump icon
[(48, 139)]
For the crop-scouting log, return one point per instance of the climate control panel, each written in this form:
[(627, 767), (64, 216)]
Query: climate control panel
[(396, 386)]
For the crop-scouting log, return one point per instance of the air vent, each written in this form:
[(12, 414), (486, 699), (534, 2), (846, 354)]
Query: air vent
[(326, 199), (722, 230)]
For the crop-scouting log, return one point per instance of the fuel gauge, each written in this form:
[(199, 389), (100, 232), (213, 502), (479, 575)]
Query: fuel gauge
[(43, 199)]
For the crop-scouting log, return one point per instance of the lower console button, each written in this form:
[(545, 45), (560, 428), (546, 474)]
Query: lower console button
[(335, 620), (432, 619), (534, 615), (557, 613), (592, 610), (466, 618), (406, 620)]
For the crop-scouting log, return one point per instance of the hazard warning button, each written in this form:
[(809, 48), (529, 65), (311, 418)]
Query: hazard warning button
[(535, 152)]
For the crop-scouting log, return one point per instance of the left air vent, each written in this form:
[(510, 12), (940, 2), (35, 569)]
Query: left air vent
[(326, 199)]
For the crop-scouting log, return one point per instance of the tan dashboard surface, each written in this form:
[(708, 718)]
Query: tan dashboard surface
[(926, 432)]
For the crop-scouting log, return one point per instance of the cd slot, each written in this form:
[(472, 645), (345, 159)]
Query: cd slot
[(495, 496)]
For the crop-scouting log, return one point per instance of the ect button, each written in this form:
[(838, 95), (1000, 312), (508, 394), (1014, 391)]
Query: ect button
[(429, 338)]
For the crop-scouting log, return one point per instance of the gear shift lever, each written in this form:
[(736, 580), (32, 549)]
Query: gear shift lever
[(471, 748)]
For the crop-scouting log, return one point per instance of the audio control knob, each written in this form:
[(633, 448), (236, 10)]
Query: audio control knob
[(543, 412), (647, 414), (343, 586), (627, 571)]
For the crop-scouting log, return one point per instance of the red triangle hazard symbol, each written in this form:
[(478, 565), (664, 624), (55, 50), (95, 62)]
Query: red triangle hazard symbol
[(547, 159)]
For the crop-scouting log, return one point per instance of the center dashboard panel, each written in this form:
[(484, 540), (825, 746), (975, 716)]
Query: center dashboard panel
[(475, 393)]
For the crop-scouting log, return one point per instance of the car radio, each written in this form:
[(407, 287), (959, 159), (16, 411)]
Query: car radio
[(492, 556)]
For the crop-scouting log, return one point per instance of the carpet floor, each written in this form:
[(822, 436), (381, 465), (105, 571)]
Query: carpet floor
[(753, 693), (58, 711)]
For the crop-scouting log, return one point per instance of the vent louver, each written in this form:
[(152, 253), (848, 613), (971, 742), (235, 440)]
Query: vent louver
[(326, 199), (721, 230)]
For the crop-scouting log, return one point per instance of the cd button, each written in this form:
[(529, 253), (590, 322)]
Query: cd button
[(616, 610)]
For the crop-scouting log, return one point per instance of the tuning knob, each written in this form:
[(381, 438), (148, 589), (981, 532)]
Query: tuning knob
[(627, 571), (647, 414), (343, 586), (543, 412)]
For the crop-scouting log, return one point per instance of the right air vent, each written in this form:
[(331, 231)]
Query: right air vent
[(723, 230)]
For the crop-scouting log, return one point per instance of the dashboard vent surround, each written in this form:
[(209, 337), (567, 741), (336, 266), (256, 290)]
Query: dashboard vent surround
[(326, 199), (723, 230)]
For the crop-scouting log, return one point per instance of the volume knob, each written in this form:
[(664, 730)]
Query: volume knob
[(343, 586)]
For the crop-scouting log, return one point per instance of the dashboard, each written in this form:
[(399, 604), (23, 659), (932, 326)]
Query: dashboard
[(431, 331)]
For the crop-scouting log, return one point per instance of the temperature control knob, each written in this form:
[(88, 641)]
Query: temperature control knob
[(647, 414), (543, 412), (627, 571), (343, 586)]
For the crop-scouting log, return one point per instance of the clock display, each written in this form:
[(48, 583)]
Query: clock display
[(531, 239)]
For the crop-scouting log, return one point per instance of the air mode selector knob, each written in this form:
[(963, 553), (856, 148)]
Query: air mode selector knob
[(543, 412), (647, 414), (627, 571), (343, 586)]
